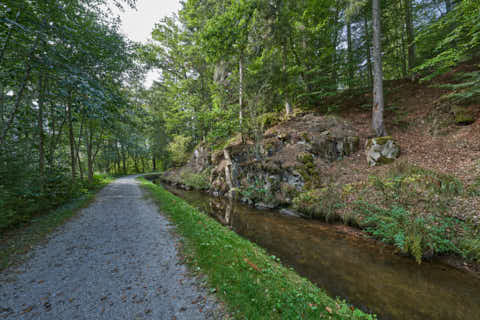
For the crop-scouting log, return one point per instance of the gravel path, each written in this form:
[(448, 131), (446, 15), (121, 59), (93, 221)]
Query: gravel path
[(116, 260)]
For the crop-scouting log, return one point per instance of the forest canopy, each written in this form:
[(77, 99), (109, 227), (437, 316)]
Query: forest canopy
[(72, 101)]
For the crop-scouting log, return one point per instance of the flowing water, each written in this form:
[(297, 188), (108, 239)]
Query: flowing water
[(366, 274)]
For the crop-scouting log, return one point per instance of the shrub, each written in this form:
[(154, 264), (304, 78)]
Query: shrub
[(416, 234), (319, 203), (198, 181), (178, 150)]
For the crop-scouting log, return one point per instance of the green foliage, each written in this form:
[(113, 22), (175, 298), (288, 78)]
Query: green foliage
[(319, 203), (197, 181), (453, 39), (269, 119), (17, 242), (179, 150), (257, 191), (253, 284), (19, 204), (471, 248), (415, 234), (412, 186)]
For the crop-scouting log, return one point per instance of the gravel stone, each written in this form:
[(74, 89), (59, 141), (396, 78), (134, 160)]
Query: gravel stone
[(117, 260)]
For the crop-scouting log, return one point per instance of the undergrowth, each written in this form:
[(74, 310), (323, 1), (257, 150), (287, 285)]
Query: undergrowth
[(418, 235), (14, 243), (409, 208), (253, 284), (20, 203), (197, 181)]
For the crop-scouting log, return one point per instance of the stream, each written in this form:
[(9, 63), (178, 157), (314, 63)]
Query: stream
[(366, 274)]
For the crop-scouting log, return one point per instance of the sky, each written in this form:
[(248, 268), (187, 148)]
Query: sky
[(138, 24)]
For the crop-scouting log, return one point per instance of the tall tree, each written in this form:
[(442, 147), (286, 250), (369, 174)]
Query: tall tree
[(378, 99), (410, 35)]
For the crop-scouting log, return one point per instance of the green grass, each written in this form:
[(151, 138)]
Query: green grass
[(253, 284), (15, 243)]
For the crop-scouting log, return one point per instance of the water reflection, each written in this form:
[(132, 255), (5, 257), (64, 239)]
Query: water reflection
[(370, 276)]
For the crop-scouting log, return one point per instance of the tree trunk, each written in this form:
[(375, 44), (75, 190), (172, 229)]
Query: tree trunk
[(350, 54), (240, 88), (77, 149), (448, 5), (154, 163), (334, 47), (142, 160), (41, 135), (71, 140), (135, 163), (378, 101), (369, 54), (410, 35), (19, 95), (90, 156), (288, 106), (124, 160)]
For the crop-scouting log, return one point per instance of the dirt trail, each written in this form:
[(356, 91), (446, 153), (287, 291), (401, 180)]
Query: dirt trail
[(116, 260)]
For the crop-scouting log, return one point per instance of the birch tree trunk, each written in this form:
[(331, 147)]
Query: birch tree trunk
[(41, 134), (288, 106), (378, 101)]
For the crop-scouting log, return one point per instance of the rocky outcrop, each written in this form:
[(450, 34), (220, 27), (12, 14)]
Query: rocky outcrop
[(289, 158), (381, 150)]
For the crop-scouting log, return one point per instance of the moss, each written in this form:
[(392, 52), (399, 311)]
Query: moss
[(305, 137), (463, 116), (383, 140), (305, 158), (270, 119), (385, 160)]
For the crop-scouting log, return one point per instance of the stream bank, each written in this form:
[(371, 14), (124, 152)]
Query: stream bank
[(371, 276), (253, 283), (311, 165)]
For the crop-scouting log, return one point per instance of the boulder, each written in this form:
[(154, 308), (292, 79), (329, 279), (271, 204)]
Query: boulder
[(381, 150), (463, 116)]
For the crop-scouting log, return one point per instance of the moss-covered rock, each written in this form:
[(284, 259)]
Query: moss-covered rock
[(463, 115), (381, 150)]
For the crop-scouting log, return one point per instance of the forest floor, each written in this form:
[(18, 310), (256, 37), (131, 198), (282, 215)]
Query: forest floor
[(421, 121), (117, 260)]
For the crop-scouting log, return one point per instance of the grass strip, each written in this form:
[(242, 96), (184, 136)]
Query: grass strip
[(253, 284), (14, 244)]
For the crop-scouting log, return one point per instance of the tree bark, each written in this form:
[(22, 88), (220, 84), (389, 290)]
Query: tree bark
[(334, 47), (350, 55), (369, 54), (77, 149), (288, 106), (240, 88), (378, 100), (71, 140), (90, 156), (410, 35), (41, 134), (20, 93), (448, 5)]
